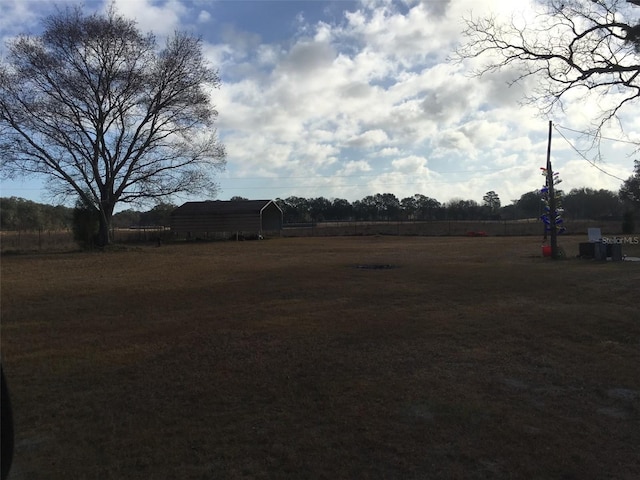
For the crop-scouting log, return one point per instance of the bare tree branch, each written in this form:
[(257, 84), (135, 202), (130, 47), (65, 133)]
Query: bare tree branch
[(591, 47)]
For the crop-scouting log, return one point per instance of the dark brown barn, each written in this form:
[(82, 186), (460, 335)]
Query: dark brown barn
[(218, 218)]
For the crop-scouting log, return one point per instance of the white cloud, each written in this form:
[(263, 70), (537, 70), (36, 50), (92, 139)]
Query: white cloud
[(388, 152), (163, 19), (18, 17), (308, 58), (204, 16), (410, 165), (370, 138), (240, 42), (353, 167), (383, 90), (355, 104)]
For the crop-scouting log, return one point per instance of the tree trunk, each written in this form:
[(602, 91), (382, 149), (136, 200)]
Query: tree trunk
[(104, 231)]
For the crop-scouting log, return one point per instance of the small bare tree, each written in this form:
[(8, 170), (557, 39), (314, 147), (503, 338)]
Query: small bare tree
[(105, 115), (589, 47)]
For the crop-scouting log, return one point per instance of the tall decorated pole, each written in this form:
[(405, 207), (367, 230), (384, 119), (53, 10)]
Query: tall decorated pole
[(552, 199), (552, 216)]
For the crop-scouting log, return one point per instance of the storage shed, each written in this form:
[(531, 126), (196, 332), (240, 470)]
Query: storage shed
[(218, 218)]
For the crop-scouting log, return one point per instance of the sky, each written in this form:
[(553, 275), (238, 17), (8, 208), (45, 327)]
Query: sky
[(344, 99)]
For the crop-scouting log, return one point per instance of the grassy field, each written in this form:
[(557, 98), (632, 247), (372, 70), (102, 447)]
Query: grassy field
[(461, 358)]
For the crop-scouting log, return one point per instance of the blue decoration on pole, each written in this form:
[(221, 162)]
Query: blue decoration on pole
[(558, 221)]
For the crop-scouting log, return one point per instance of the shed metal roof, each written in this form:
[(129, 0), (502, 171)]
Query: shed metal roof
[(220, 207)]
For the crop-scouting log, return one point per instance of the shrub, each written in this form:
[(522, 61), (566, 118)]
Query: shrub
[(86, 223), (628, 224)]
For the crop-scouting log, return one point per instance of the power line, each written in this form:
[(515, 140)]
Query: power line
[(326, 186), (366, 175), (596, 135), (334, 186), (585, 158)]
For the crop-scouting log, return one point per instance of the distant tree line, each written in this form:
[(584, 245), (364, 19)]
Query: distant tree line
[(158, 216), (20, 214), (579, 203)]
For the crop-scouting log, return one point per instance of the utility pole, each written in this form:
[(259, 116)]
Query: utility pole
[(552, 200)]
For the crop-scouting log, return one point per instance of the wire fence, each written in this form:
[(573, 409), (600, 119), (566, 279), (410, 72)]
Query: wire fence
[(446, 228), (62, 240)]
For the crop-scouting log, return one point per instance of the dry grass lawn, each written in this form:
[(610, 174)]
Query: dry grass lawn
[(471, 358)]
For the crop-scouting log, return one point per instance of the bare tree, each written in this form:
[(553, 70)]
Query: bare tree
[(587, 47), (107, 116)]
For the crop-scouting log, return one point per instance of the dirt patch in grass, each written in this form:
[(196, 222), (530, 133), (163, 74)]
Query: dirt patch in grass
[(474, 358)]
